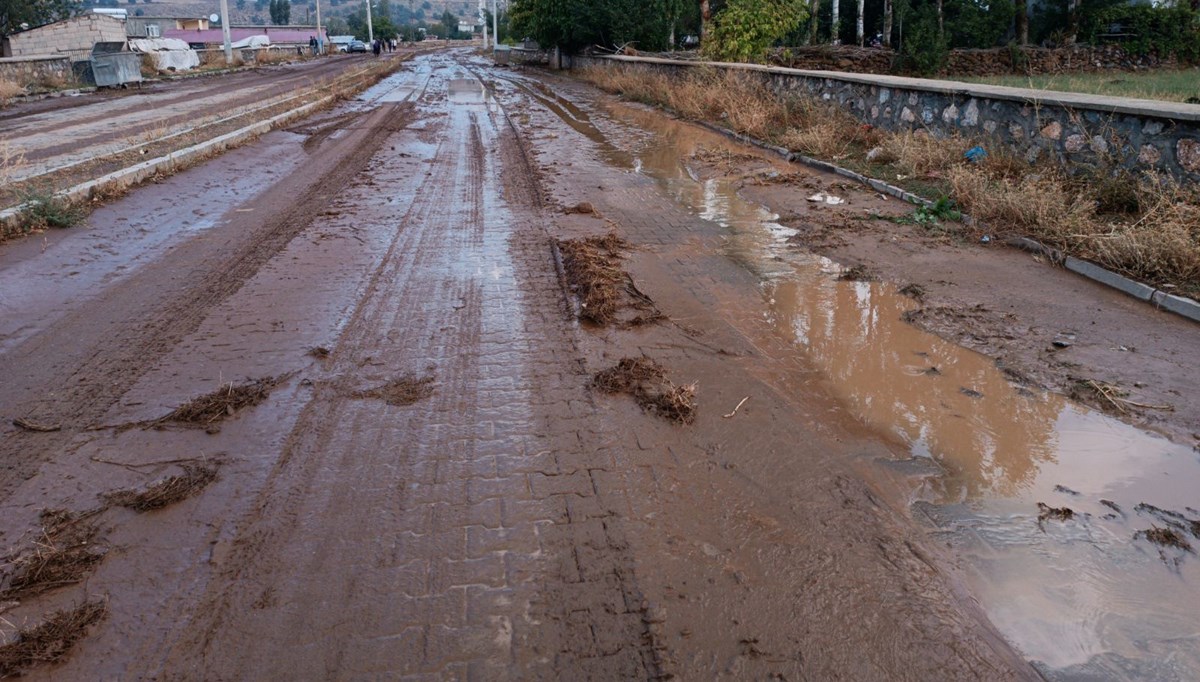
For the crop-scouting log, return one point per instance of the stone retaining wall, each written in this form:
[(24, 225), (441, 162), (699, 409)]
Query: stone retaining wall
[(998, 61), (34, 72), (1075, 129)]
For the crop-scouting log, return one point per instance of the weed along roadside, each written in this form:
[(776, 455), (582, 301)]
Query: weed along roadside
[(1139, 224)]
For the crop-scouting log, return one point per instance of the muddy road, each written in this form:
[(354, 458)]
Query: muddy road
[(54, 133), (486, 375)]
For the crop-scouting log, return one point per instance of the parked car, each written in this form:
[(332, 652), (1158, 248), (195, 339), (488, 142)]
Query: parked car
[(357, 46)]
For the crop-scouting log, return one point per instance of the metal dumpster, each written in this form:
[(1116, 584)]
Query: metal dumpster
[(112, 64)]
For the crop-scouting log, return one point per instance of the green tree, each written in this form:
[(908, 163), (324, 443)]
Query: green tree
[(337, 26), (281, 12), (746, 28), (574, 24), (13, 13)]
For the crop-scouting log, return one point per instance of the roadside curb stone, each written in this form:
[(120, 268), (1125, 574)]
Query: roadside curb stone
[(1176, 304), (1125, 285)]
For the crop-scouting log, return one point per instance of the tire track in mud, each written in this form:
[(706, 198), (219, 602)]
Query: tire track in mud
[(383, 500), (75, 371), (333, 426), (616, 608)]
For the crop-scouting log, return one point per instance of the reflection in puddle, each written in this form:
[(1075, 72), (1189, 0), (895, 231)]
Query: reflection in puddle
[(1082, 598), (466, 91)]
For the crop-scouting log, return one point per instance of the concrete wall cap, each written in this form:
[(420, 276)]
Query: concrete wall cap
[(1120, 105)]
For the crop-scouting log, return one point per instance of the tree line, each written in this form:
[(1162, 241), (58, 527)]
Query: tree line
[(744, 29)]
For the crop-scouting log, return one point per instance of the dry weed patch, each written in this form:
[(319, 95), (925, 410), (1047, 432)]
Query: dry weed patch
[(647, 382), (9, 90), (50, 640)]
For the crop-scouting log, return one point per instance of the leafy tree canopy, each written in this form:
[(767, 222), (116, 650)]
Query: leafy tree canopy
[(746, 28), (576, 24), (13, 13)]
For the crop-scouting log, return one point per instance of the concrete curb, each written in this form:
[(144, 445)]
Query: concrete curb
[(1180, 305), (127, 177)]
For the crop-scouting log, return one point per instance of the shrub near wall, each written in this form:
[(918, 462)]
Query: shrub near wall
[(999, 61)]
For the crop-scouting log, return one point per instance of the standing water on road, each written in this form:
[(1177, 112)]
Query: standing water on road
[(1050, 506)]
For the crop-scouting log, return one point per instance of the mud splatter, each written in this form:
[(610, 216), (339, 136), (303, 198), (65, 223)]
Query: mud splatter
[(582, 208), (50, 640), (856, 273), (647, 382), (914, 291)]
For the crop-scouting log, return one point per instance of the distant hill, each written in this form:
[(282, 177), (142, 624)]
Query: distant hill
[(303, 11)]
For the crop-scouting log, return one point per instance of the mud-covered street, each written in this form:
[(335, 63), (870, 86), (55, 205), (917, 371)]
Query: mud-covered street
[(484, 374)]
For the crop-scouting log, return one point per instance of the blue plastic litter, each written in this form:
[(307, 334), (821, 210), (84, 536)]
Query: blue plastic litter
[(976, 154)]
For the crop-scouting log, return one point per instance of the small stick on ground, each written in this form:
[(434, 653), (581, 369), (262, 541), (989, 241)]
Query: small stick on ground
[(50, 640), (1110, 395), (735, 409), (30, 425)]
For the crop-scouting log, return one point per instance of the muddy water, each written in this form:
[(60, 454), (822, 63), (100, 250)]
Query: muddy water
[(1082, 598)]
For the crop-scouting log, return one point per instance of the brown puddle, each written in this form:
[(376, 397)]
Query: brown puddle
[(1084, 596)]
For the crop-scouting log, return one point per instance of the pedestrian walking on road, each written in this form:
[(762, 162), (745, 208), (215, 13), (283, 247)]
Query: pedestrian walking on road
[(375, 47)]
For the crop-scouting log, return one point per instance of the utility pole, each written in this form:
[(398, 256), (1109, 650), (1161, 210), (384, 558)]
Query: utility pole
[(483, 15), (225, 33), (495, 26), (370, 25), (320, 34)]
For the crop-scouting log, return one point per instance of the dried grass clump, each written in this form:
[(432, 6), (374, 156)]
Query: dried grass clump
[(213, 407), (1161, 243), (592, 267), (166, 492), (923, 154), (50, 640), (404, 390), (62, 555), (1039, 205), (9, 90), (647, 382)]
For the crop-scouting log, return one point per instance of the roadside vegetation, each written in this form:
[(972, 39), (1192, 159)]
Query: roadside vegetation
[(9, 90), (916, 36), (1176, 85), (1145, 226)]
